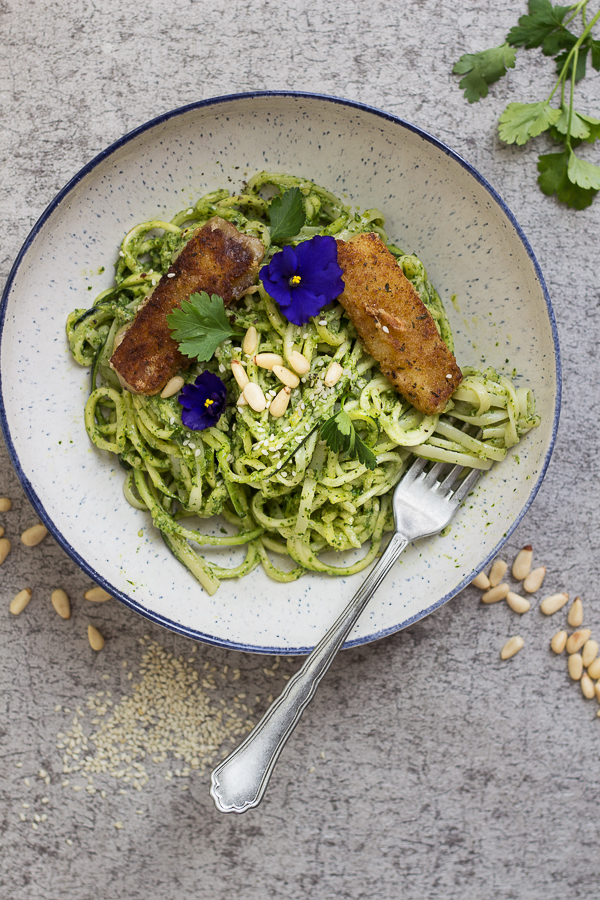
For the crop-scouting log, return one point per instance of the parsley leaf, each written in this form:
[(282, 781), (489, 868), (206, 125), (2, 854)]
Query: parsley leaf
[(200, 326), (339, 434), (286, 215), (521, 121), (483, 69), (543, 27), (554, 179)]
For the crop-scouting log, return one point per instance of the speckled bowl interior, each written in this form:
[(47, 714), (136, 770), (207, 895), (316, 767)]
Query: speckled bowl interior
[(435, 205)]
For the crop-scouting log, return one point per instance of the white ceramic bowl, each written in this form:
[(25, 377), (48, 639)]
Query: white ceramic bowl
[(435, 205)]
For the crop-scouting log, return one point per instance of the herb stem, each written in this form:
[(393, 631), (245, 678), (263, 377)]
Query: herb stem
[(574, 52)]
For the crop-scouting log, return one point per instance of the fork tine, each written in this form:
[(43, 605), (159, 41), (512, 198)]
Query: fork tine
[(414, 471), (433, 473), (451, 477), (469, 482)]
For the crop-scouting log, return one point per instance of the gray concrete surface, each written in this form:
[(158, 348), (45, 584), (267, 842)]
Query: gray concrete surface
[(425, 769)]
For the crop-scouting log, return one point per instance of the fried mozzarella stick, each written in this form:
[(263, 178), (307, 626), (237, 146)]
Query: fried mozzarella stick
[(217, 259), (395, 325)]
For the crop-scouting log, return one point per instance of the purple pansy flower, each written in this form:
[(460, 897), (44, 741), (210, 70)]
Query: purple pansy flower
[(203, 402), (305, 278)]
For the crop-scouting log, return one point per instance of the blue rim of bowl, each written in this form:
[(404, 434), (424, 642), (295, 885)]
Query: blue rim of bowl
[(220, 101)]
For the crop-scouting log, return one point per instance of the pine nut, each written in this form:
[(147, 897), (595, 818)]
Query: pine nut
[(1, 531), (250, 342), (517, 603), (280, 403), (299, 362), (20, 601), (242, 401), (255, 397), (587, 686), (172, 387), (286, 376), (559, 641), (589, 652), (95, 638), (61, 604), (512, 646), (496, 593), (481, 581), (522, 564), (497, 572), (575, 666), (97, 595), (333, 374), (5, 504), (578, 639), (553, 603), (594, 669), (32, 536), (268, 360), (534, 580), (597, 692), (575, 616), (4, 549), (239, 373)]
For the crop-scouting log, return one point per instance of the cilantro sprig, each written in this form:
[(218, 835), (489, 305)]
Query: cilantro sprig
[(339, 433), (286, 215), (549, 28), (200, 326)]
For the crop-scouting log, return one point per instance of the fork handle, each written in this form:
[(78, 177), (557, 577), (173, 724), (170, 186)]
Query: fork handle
[(240, 781)]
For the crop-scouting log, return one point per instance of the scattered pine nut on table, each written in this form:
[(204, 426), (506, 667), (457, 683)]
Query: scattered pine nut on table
[(511, 647), (97, 595), (534, 580), (20, 601), (575, 615), (4, 549), (34, 535), (95, 638), (522, 564), (497, 572)]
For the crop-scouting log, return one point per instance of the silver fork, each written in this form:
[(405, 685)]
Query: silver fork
[(423, 505)]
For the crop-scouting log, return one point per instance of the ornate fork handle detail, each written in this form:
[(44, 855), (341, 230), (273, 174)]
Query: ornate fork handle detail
[(239, 782)]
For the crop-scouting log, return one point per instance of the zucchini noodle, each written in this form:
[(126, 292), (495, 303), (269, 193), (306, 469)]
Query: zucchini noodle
[(279, 489)]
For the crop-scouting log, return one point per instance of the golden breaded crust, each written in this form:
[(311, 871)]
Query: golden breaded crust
[(217, 259), (410, 352)]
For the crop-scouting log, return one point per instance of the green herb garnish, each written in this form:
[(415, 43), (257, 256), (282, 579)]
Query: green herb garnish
[(286, 215), (482, 69), (574, 181), (340, 434), (200, 326)]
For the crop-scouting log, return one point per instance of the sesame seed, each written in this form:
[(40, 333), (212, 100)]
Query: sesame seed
[(386, 329), (323, 322), (170, 274)]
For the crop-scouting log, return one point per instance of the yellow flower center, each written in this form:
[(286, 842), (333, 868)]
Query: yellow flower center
[(208, 403), (295, 279)]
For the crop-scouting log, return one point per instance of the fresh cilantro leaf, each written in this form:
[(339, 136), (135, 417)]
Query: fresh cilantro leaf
[(581, 62), (364, 454), (595, 48), (286, 215), (521, 121), (339, 434), (483, 69), (584, 174), (200, 326), (543, 27), (583, 127), (554, 179)]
